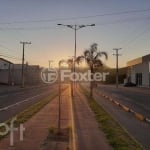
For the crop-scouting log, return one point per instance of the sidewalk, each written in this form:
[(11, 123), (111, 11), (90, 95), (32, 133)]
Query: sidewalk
[(89, 136), (37, 128)]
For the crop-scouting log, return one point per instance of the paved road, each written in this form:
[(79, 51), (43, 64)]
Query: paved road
[(138, 99), (12, 102), (36, 129)]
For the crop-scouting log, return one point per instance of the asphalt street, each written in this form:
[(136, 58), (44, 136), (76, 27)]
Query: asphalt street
[(137, 98), (15, 101)]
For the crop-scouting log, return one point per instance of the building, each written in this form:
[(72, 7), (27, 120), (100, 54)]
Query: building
[(6, 71), (139, 71), (31, 74), (12, 73)]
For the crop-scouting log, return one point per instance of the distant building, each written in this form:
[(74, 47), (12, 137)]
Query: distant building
[(139, 71), (31, 74), (6, 71), (12, 73)]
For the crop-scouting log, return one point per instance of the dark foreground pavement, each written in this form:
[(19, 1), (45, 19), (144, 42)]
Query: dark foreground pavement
[(37, 128), (89, 136), (138, 129)]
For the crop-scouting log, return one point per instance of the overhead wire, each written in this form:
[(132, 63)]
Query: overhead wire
[(74, 18), (82, 17)]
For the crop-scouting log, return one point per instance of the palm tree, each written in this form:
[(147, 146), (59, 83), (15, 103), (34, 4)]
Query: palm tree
[(92, 57)]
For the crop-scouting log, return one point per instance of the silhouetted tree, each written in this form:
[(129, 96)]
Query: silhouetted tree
[(92, 57)]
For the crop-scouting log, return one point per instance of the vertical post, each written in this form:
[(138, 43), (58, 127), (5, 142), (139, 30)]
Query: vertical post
[(75, 28), (75, 42), (59, 105), (23, 65), (117, 70), (50, 61), (9, 75), (49, 64), (75, 57), (22, 72)]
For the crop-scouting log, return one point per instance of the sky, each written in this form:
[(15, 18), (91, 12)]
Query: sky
[(118, 24)]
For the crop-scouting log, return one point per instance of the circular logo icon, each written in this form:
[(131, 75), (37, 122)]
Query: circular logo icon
[(49, 75)]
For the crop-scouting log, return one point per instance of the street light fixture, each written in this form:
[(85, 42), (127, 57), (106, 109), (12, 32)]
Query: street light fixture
[(75, 28)]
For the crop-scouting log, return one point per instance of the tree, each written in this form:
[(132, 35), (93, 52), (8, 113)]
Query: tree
[(92, 57)]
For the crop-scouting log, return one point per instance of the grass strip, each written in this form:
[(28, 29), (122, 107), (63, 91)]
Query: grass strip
[(33, 109), (118, 138), (29, 112)]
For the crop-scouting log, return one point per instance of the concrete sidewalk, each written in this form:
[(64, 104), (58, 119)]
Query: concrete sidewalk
[(37, 128), (88, 135)]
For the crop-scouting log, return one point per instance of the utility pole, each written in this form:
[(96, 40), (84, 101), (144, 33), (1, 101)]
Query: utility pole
[(22, 73), (50, 61), (117, 70)]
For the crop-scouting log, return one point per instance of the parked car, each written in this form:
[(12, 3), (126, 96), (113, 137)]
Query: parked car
[(129, 84)]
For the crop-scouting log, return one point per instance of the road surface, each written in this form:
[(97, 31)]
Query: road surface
[(15, 101), (138, 99)]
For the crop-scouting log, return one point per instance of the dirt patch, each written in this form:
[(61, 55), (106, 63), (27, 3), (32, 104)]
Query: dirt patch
[(57, 140)]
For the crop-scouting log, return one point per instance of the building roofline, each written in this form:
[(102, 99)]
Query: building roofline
[(6, 60), (139, 60)]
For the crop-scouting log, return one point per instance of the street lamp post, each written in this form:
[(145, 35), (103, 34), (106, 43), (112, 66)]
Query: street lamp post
[(75, 28), (59, 99)]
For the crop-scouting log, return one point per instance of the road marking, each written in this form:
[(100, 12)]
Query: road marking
[(27, 99)]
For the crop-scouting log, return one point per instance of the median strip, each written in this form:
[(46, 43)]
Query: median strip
[(116, 135), (29, 112)]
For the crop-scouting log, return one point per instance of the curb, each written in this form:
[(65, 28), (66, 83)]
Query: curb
[(139, 116), (126, 109)]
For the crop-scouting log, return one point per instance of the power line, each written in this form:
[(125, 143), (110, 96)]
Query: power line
[(97, 24), (124, 21), (12, 57), (82, 17), (137, 36), (5, 47)]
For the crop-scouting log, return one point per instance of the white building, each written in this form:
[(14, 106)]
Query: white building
[(139, 71), (6, 71)]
